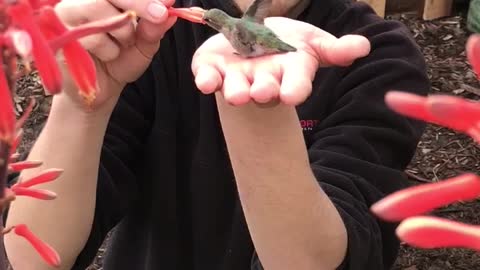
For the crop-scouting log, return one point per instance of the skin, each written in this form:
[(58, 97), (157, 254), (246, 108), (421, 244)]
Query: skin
[(258, 138), (263, 135)]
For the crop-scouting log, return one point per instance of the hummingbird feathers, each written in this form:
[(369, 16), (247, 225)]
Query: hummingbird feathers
[(248, 35), (258, 10)]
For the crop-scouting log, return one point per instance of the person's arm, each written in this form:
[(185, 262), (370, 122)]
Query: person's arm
[(290, 218), (310, 209), (78, 219)]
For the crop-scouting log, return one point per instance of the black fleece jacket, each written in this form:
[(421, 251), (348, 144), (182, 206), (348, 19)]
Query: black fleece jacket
[(165, 178)]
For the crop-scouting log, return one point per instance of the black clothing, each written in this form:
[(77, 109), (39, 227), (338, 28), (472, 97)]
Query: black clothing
[(166, 180)]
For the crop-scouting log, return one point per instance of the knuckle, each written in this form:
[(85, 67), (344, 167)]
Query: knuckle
[(124, 34), (62, 9), (148, 31), (93, 42), (107, 57), (107, 54), (73, 12), (103, 48)]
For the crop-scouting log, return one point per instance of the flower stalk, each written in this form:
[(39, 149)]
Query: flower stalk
[(31, 31), (191, 14), (411, 205)]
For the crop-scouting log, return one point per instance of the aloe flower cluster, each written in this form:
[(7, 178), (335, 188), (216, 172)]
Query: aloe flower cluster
[(409, 206), (31, 32)]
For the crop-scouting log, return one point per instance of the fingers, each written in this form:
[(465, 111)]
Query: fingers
[(74, 13), (236, 85), (149, 34), (123, 35), (328, 49), (152, 26), (102, 47), (210, 53), (266, 86), (297, 80), (236, 88), (151, 10), (341, 51), (208, 79), (132, 61), (105, 46)]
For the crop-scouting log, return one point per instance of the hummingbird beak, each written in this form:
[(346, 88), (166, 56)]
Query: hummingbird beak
[(214, 25), (192, 14)]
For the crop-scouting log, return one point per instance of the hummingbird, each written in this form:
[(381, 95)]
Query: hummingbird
[(248, 35)]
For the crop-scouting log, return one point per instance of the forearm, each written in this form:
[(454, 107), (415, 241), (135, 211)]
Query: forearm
[(290, 218), (71, 140)]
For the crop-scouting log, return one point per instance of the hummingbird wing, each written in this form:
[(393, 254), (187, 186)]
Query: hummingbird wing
[(258, 11), (243, 36)]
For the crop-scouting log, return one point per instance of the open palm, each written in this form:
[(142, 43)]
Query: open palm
[(287, 77)]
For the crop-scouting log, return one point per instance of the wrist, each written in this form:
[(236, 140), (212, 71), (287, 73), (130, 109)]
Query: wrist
[(65, 108), (263, 132), (256, 120)]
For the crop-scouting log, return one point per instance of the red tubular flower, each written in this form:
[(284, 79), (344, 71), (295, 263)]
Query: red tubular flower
[(452, 112), (433, 232), (192, 14), (7, 116), (23, 165), (21, 41), (449, 111), (410, 105), (44, 177), (13, 157), (78, 60), (457, 113), (37, 4), (423, 198), (473, 52), (51, 35), (46, 252), (91, 28), (22, 16), (40, 194), (23, 188)]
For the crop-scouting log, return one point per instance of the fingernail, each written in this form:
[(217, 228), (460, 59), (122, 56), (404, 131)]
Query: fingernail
[(156, 10)]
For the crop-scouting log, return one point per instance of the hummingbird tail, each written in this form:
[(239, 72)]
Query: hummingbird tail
[(288, 48)]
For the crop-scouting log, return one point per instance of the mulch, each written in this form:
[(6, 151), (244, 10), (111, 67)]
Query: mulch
[(442, 153)]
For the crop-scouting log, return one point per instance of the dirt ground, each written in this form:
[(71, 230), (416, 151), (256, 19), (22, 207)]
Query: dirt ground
[(442, 153)]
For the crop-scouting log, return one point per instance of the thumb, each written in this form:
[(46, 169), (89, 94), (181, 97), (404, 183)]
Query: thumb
[(133, 61), (149, 34), (340, 51)]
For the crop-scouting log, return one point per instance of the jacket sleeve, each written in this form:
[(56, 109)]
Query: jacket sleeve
[(117, 186), (360, 148)]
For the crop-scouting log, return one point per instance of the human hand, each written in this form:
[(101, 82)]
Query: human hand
[(287, 77), (122, 55)]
